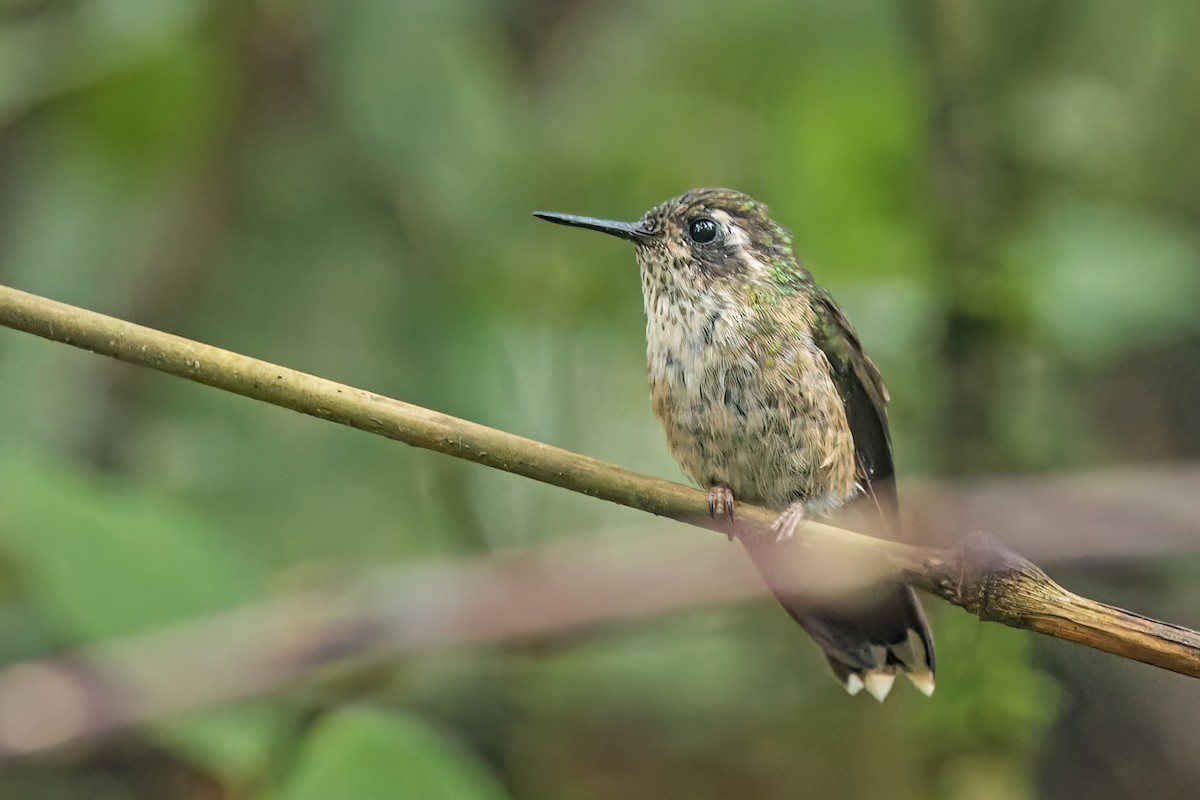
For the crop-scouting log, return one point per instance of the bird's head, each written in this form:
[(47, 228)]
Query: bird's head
[(709, 239)]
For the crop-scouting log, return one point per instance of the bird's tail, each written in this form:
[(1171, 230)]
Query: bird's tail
[(868, 635), (867, 644)]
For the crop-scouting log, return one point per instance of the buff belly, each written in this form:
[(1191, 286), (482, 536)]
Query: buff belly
[(773, 432)]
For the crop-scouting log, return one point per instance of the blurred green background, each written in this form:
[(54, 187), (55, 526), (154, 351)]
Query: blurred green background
[(1003, 195)]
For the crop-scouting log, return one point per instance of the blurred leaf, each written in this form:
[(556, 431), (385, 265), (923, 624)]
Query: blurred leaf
[(366, 755), (168, 106), (103, 559), (234, 743), (1104, 279), (106, 559), (383, 55), (1082, 124), (52, 53), (989, 698)]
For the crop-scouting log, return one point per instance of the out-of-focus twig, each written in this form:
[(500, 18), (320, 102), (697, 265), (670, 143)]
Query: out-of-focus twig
[(270, 645), (977, 574), (274, 644), (1118, 513)]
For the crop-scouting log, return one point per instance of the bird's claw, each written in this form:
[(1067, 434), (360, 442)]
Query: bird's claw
[(784, 526), (720, 504)]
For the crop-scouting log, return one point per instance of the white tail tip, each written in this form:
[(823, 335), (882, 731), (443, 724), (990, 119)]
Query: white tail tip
[(923, 681), (854, 684), (879, 684)]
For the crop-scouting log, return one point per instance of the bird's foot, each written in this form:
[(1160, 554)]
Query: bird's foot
[(784, 526), (720, 504)]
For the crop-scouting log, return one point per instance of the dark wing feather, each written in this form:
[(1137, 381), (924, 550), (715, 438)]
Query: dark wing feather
[(852, 630), (865, 397), (880, 627)]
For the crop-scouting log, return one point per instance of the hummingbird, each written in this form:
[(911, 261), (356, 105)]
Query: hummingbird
[(766, 396)]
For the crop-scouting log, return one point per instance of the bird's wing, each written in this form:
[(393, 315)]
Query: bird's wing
[(865, 397), (880, 629)]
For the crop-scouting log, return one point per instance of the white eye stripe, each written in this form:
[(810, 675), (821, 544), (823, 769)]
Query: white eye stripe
[(739, 239), (735, 234)]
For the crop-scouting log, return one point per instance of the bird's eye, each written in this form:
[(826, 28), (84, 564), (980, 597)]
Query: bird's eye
[(702, 230)]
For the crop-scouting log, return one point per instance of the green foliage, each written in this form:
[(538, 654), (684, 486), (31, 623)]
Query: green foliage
[(371, 755), (345, 188), (983, 703), (1140, 269), (103, 558), (100, 558)]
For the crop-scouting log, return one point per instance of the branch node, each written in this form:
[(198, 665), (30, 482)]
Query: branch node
[(988, 575)]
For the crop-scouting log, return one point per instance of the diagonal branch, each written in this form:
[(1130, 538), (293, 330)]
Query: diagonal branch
[(978, 575)]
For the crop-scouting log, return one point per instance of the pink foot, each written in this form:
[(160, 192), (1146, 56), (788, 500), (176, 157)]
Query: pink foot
[(784, 526), (720, 504)]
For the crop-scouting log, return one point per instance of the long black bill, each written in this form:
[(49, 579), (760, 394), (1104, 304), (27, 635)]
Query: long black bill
[(633, 231)]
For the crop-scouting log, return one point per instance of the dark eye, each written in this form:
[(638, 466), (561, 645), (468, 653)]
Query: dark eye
[(702, 230)]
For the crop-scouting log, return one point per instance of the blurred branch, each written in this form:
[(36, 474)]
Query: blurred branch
[(978, 574), (1069, 517), (266, 646), (270, 645)]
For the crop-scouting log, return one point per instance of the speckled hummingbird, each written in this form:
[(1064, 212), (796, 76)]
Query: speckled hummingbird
[(766, 395)]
